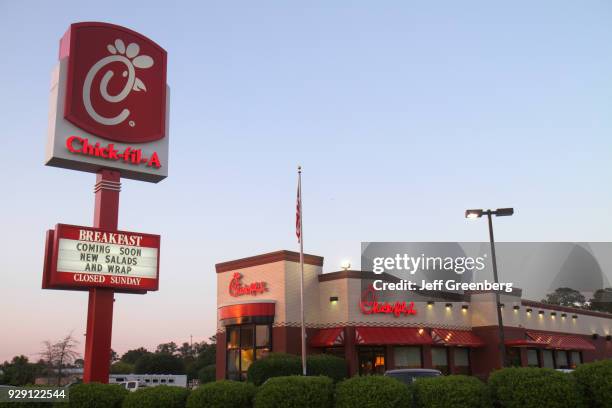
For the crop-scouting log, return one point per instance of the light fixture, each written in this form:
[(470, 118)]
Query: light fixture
[(608, 337), (473, 213), (529, 310), (430, 303), (465, 307), (501, 305), (574, 317), (595, 336), (553, 314), (345, 265), (516, 308), (449, 305), (563, 315), (421, 331), (333, 299), (541, 313)]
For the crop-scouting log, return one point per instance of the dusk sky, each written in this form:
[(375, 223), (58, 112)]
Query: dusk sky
[(402, 114)]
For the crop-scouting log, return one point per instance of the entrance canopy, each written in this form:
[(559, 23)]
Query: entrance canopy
[(391, 335), (459, 338)]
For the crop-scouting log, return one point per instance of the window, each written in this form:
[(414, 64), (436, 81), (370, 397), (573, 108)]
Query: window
[(576, 358), (439, 358), (171, 380), (163, 380), (462, 361), (513, 357), (562, 360), (548, 359), (532, 358), (371, 360), (334, 351), (407, 357), (245, 344)]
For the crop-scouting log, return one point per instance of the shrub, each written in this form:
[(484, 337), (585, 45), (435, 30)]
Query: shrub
[(523, 387), (296, 392), (327, 365), (372, 392), (595, 383), (96, 395), (161, 396), (159, 363), (274, 365), (222, 394), (207, 374), (457, 391)]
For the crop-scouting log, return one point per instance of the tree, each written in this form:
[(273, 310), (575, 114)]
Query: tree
[(19, 371), (113, 356), (60, 355), (159, 363), (167, 348), (206, 355), (131, 356), (121, 367), (602, 300), (565, 297)]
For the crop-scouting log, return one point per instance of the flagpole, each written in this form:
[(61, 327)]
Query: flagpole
[(302, 273)]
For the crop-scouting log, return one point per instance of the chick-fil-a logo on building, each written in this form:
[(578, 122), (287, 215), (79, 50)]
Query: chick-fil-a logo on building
[(116, 85), (369, 304), (236, 288)]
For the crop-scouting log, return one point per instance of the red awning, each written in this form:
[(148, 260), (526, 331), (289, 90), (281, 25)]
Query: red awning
[(561, 341), (328, 338), (391, 335), (524, 343), (461, 338)]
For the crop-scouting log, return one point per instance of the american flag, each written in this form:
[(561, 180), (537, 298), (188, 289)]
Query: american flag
[(298, 210)]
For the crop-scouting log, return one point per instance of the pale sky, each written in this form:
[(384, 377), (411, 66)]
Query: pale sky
[(402, 114)]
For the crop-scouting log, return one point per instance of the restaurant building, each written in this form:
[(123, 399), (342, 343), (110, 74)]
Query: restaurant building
[(258, 311)]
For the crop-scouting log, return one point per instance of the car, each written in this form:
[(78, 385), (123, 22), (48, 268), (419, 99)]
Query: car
[(409, 375)]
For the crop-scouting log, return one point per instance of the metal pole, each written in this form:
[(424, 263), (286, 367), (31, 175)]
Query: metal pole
[(100, 307), (500, 321), (302, 275)]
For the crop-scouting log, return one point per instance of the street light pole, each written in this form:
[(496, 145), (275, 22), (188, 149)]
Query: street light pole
[(500, 212)]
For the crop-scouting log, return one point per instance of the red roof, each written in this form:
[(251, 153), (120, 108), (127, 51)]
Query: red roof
[(328, 338), (561, 341), (391, 335), (463, 338)]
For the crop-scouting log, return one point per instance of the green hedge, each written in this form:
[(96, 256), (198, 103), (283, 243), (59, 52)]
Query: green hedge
[(274, 365), (327, 365), (96, 395), (595, 383), (161, 396), (296, 392), (372, 391), (457, 391), (283, 365), (222, 394), (207, 374), (524, 387)]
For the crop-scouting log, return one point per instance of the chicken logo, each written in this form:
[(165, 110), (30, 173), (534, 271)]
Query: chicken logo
[(116, 86)]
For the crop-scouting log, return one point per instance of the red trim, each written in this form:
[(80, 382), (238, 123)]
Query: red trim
[(460, 338), (391, 335), (246, 309), (328, 338)]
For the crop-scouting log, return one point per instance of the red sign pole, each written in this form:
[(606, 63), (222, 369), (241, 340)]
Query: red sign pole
[(100, 309)]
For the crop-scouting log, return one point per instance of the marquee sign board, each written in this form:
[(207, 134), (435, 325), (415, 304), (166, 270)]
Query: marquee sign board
[(83, 258), (109, 103)]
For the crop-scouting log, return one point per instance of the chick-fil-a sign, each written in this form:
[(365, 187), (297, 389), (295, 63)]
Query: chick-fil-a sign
[(237, 288), (369, 304)]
